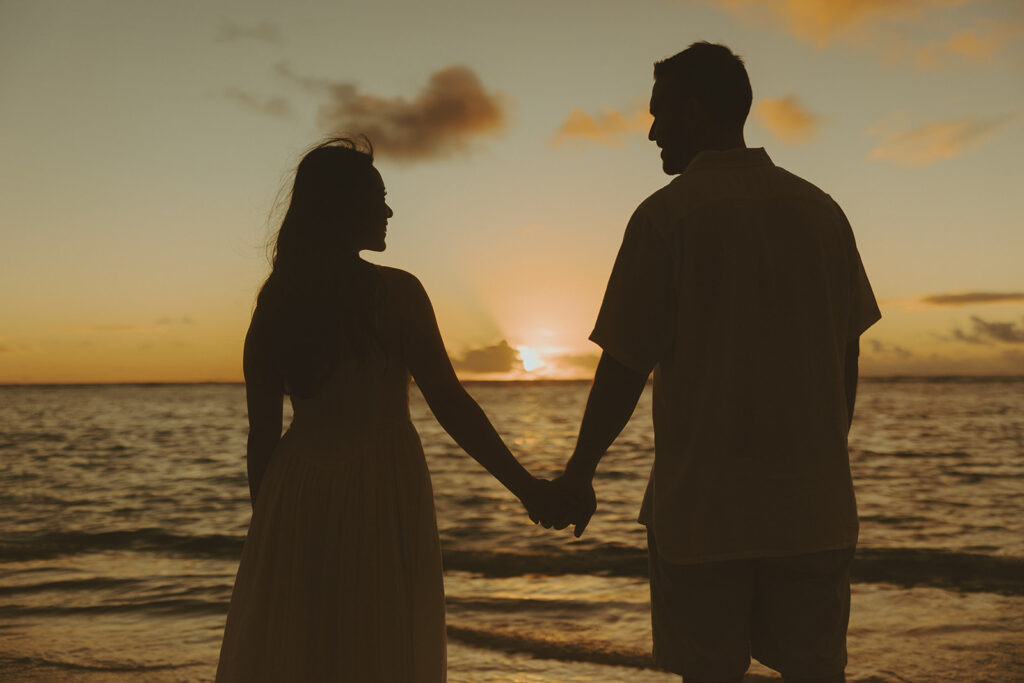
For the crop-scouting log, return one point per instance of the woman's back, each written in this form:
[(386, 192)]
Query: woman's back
[(340, 577), (369, 389)]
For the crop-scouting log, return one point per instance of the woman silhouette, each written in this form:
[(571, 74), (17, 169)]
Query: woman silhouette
[(340, 577)]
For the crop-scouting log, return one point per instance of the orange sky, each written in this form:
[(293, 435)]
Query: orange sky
[(143, 149)]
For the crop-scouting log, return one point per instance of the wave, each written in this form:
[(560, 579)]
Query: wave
[(944, 379), (167, 606), (963, 571), (592, 652), (24, 547), (959, 571), (912, 454), (8, 663)]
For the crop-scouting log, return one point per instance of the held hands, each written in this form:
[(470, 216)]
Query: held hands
[(569, 499)]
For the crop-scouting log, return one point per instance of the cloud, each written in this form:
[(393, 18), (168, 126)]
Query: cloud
[(184, 320), (972, 298), (977, 45), (786, 119), (822, 21), (608, 127), (264, 31), (276, 107), (8, 347), (498, 358), (881, 348), (450, 111), (987, 332), (935, 141), (310, 83)]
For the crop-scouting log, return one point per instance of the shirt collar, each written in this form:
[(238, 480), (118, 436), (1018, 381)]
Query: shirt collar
[(740, 156)]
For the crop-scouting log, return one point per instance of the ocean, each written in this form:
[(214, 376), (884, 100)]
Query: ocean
[(123, 509)]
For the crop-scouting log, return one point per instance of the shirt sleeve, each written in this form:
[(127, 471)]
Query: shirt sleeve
[(864, 312), (863, 308), (635, 322)]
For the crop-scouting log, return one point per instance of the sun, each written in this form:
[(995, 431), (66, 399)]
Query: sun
[(530, 357)]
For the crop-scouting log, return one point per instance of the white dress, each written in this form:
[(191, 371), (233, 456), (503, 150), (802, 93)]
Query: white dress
[(340, 578)]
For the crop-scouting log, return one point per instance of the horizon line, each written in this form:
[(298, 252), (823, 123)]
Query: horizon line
[(543, 380)]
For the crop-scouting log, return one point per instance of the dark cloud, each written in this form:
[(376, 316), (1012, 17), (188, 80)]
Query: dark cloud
[(451, 111), (970, 298), (999, 331), (884, 348), (987, 332), (276, 107), (498, 358), (264, 31)]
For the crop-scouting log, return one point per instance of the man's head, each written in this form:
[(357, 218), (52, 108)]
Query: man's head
[(700, 100)]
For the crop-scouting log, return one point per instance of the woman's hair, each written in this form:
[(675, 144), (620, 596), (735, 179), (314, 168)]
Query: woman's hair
[(311, 307)]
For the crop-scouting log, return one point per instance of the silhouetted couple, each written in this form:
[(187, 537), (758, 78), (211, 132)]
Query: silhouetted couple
[(738, 284)]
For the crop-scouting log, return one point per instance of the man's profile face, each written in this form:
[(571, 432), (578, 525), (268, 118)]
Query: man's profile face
[(673, 127)]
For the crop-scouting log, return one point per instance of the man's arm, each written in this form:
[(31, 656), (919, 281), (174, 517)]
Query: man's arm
[(613, 397)]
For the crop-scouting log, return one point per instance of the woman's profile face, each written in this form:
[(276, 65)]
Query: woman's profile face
[(374, 228)]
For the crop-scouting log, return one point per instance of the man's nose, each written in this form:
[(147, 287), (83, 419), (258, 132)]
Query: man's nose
[(650, 133)]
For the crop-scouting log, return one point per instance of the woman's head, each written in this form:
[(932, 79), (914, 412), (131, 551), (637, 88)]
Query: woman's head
[(315, 303), (337, 207)]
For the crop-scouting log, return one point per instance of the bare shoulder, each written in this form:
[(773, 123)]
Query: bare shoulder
[(403, 282)]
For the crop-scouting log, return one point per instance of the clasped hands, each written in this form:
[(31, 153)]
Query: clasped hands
[(567, 499)]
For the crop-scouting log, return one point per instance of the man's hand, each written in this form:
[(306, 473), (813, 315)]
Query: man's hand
[(579, 501), (543, 502)]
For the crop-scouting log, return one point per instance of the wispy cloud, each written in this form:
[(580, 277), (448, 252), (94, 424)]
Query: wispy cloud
[(973, 298), (878, 347), (936, 141), (497, 358), (988, 332), (274, 106), (977, 45), (608, 127), (230, 31), (786, 118), (822, 21), (449, 113)]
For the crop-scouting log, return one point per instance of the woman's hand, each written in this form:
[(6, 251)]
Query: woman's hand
[(543, 502)]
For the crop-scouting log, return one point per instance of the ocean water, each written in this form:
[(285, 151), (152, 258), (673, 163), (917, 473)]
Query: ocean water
[(123, 510)]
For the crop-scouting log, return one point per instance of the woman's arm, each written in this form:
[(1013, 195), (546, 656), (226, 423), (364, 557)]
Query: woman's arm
[(453, 407), (264, 394)]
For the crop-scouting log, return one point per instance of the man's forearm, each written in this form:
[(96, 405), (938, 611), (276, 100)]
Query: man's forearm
[(613, 397)]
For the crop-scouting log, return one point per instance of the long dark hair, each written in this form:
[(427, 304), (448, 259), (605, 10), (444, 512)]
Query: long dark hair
[(313, 308)]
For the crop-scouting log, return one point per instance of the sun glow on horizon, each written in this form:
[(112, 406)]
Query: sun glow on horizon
[(531, 358)]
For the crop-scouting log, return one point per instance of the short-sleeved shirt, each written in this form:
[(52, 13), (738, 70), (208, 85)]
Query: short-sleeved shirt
[(741, 286)]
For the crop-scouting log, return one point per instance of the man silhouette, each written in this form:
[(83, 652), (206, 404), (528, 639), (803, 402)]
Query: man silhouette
[(741, 286)]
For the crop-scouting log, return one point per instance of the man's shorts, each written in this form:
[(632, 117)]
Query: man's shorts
[(790, 613)]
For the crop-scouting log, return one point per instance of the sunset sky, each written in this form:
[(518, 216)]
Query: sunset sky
[(144, 147)]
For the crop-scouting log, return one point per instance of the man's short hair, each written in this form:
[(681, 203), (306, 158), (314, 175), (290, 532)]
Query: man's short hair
[(713, 75)]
